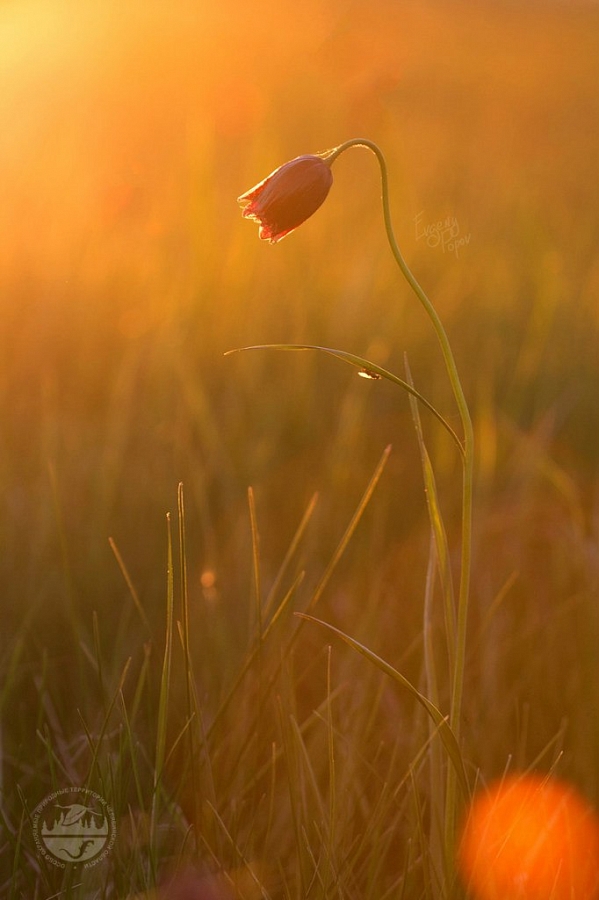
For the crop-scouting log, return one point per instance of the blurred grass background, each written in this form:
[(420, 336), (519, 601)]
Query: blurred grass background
[(126, 272)]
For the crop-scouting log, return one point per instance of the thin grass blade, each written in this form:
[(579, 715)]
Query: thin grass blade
[(445, 732), (367, 368)]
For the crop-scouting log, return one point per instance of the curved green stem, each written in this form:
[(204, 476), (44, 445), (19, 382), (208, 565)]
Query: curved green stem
[(467, 470)]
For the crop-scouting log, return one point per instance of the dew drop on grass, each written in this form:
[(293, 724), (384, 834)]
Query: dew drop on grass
[(368, 373)]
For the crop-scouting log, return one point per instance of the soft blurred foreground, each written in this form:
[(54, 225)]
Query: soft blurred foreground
[(149, 649)]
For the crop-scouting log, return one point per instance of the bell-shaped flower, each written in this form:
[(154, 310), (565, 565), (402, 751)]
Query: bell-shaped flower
[(288, 196)]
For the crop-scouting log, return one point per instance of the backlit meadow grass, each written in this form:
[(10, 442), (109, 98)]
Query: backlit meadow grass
[(148, 644)]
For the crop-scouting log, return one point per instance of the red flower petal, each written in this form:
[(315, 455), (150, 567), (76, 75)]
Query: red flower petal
[(288, 196)]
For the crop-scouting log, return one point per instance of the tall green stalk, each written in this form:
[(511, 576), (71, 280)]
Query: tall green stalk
[(279, 204), (457, 685)]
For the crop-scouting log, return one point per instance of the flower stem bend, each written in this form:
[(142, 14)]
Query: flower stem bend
[(457, 685)]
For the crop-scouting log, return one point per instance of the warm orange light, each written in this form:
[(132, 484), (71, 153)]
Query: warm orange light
[(530, 838)]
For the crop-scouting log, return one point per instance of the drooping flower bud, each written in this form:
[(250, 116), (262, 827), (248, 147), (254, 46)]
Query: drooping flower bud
[(288, 196)]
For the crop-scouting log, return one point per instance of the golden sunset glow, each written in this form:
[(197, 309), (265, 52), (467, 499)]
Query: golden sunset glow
[(180, 523)]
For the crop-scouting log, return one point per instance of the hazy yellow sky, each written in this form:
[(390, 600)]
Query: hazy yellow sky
[(113, 112)]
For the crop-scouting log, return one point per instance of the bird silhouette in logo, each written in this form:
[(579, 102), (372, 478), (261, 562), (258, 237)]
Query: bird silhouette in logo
[(76, 812)]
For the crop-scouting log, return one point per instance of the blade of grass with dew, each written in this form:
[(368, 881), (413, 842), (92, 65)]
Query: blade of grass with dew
[(445, 732), (369, 369)]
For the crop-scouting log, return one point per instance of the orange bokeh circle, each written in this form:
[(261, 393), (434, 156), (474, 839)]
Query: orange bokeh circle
[(530, 837)]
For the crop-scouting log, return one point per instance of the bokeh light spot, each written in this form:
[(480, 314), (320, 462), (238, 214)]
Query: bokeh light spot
[(530, 838)]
